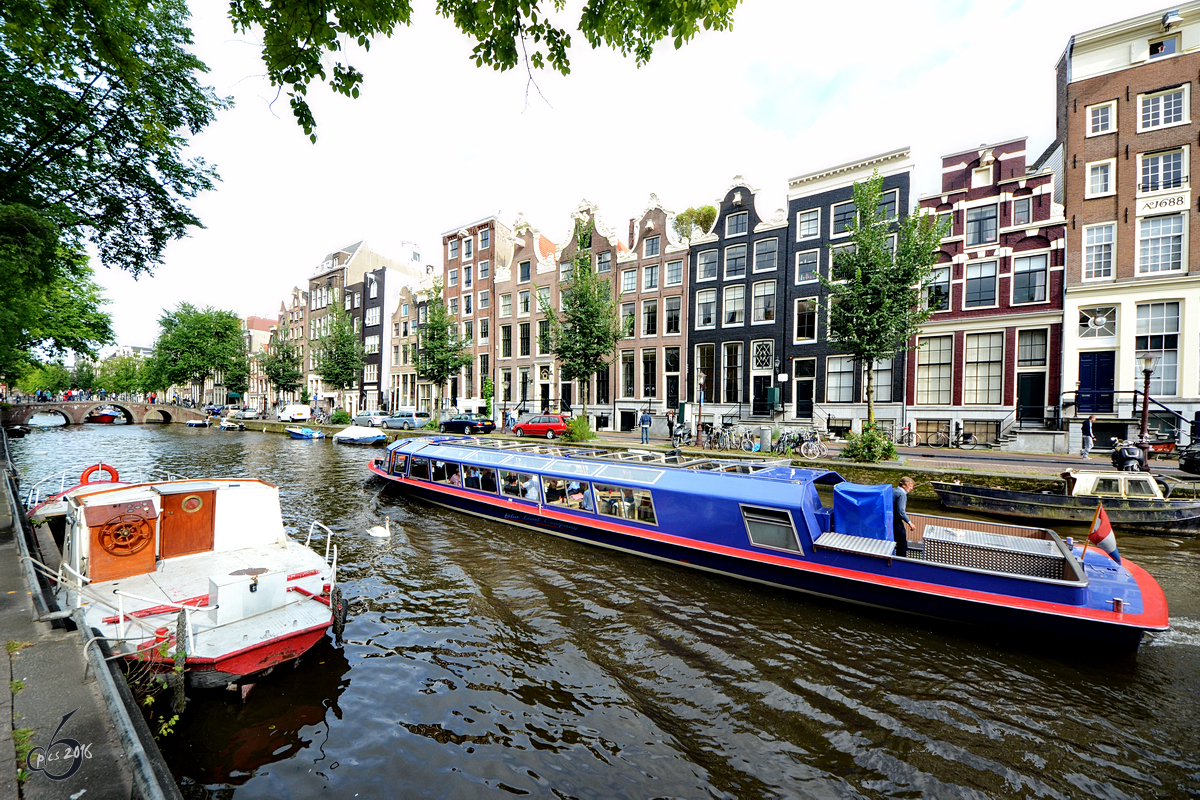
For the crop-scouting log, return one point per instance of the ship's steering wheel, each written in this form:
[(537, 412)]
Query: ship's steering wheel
[(124, 535)]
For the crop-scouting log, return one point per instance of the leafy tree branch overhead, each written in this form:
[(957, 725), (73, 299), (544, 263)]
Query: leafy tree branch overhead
[(298, 34)]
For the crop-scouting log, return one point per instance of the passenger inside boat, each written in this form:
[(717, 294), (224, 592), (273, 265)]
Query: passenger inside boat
[(626, 502), (555, 493), (474, 477), (579, 495)]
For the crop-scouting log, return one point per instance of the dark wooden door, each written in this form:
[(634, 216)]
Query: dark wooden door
[(759, 386), (187, 523), (1031, 396), (1097, 374)]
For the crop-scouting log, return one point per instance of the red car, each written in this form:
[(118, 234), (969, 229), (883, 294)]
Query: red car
[(548, 425)]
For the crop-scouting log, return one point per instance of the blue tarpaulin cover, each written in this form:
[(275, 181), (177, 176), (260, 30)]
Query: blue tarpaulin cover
[(863, 510)]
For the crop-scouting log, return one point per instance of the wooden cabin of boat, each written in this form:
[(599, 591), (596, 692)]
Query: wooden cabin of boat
[(1111, 483)]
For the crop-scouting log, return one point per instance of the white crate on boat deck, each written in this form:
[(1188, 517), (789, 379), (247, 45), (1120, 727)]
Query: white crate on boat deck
[(241, 596)]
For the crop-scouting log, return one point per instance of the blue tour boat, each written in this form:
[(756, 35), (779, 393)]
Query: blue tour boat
[(305, 433), (765, 522)]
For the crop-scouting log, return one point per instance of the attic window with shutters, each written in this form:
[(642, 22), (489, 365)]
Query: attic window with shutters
[(1164, 47)]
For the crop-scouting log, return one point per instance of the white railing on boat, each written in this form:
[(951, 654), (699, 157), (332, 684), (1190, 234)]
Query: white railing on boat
[(37, 493)]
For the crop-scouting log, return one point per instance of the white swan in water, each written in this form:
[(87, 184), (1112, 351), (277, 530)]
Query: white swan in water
[(382, 531)]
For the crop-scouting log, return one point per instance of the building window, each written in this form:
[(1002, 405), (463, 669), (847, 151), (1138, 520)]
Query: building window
[(983, 371), (467, 245), (649, 318), (766, 255), (372, 288), (371, 344), (453, 306), (935, 360), (454, 248), (706, 308), (373, 315), (806, 319), (844, 215), (764, 302), (806, 266), (602, 386), (764, 353), (370, 373), (604, 261), (1100, 182), (981, 285), (1160, 244), (454, 277), (1032, 348), (506, 305), (523, 272), (1022, 211), (626, 373), (523, 303), (1164, 108), (735, 261), (1098, 251), (735, 305), (706, 265), (468, 332), (981, 177), (629, 281), (395, 354), (1097, 322), (1102, 118), (733, 372), (839, 379), (808, 224), (650, 373), (543, 334), (674, 273), (1158, 333), (881, 379), (485, 241), (506, 341), (468, 304), (981, 225), (543, 294), (674, 306), (483, 270), (937, 291), (523, 338), (628, 319), (706, 355), (651, 249), (1029, 279), (483, 330), (484, 298), (736, 223), (650, 278), (1164, 47), (887, 205), (1162, 171)]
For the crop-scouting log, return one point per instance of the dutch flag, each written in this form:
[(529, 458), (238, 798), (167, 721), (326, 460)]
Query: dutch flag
[(1102, 534)]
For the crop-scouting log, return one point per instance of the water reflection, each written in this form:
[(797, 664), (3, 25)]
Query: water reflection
[(483, 658)]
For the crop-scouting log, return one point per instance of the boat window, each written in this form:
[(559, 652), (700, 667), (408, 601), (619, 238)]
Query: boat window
[(526, 462), (1108, 486), (419, 469), (574, 467), (632, 474), (479, 478), (446, 472), (770, 527), (625, 502), (490, 458), (520, 484), (568, 493), (1139, 487), (399, 462)]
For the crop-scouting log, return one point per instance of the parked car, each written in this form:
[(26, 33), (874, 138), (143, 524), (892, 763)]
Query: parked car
[(407, 419), (294, 413), (249, 413), (215, 411), (548, 425), (468, 424), (1189, 459), (370, 419)]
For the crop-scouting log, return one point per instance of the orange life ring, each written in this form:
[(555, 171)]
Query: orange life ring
[(92, 470)]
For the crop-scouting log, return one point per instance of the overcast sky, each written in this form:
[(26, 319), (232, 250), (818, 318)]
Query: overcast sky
[(434, 142)]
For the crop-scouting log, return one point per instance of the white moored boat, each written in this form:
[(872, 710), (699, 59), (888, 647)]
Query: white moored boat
[(203, 561)]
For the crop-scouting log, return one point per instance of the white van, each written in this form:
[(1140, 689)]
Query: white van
[(294, 413)]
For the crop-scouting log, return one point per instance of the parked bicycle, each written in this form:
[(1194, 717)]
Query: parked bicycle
[(963, 440), (908, 437), (813, 447)]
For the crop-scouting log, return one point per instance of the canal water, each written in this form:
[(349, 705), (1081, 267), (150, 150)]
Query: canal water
[(487, 661)]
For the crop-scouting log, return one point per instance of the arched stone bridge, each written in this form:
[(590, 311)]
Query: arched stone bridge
[(75, 413)]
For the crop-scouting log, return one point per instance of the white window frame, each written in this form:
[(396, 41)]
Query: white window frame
[(1002, 377), (452, 249), (796, 268), (506, 299), (453, 279), (468, 250), (657, 247), (842, 359), (816, 234), (1012, 280), (716, 311), (1112, 255), (667, 300), (1186, 152), (646, 305), (1111, 105), (628, 286), (1137, 245), (833, 216), (1111, 163), (734, 215), (716, 264), (754, 258), (468, 304), (995, 279), (667, 275), (949, 378), (646, 272), (774, 303), (524, 297), (1027, 199), (725, 262), (484, 270), (725, 301), (485, 233), (1187, 108), (816, 302), (484, 298)]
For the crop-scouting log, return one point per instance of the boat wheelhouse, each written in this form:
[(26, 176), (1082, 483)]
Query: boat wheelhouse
[(766, 522)]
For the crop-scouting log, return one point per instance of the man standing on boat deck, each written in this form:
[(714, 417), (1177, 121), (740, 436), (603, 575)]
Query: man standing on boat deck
[(645, 424), (1089, 436), (901, 524)]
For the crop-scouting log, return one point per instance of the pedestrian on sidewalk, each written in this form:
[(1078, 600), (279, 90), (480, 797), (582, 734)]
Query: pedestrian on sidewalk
[(1089, 436), (645, 424), (901, 524)]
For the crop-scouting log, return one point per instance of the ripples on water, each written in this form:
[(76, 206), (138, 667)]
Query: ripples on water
[(483, 660)]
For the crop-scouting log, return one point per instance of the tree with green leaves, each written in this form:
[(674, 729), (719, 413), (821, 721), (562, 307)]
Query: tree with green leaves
[(339, 353), (685, 221), (236, 378), (83, 376), (281, 365), (876, 293), (49, 304), (443, 353), (194, 344), (298, 35), (50, 377), (120, 375), (584, 336)]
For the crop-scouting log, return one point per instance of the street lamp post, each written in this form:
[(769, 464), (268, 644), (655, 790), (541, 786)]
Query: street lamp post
[(1149, 363)]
